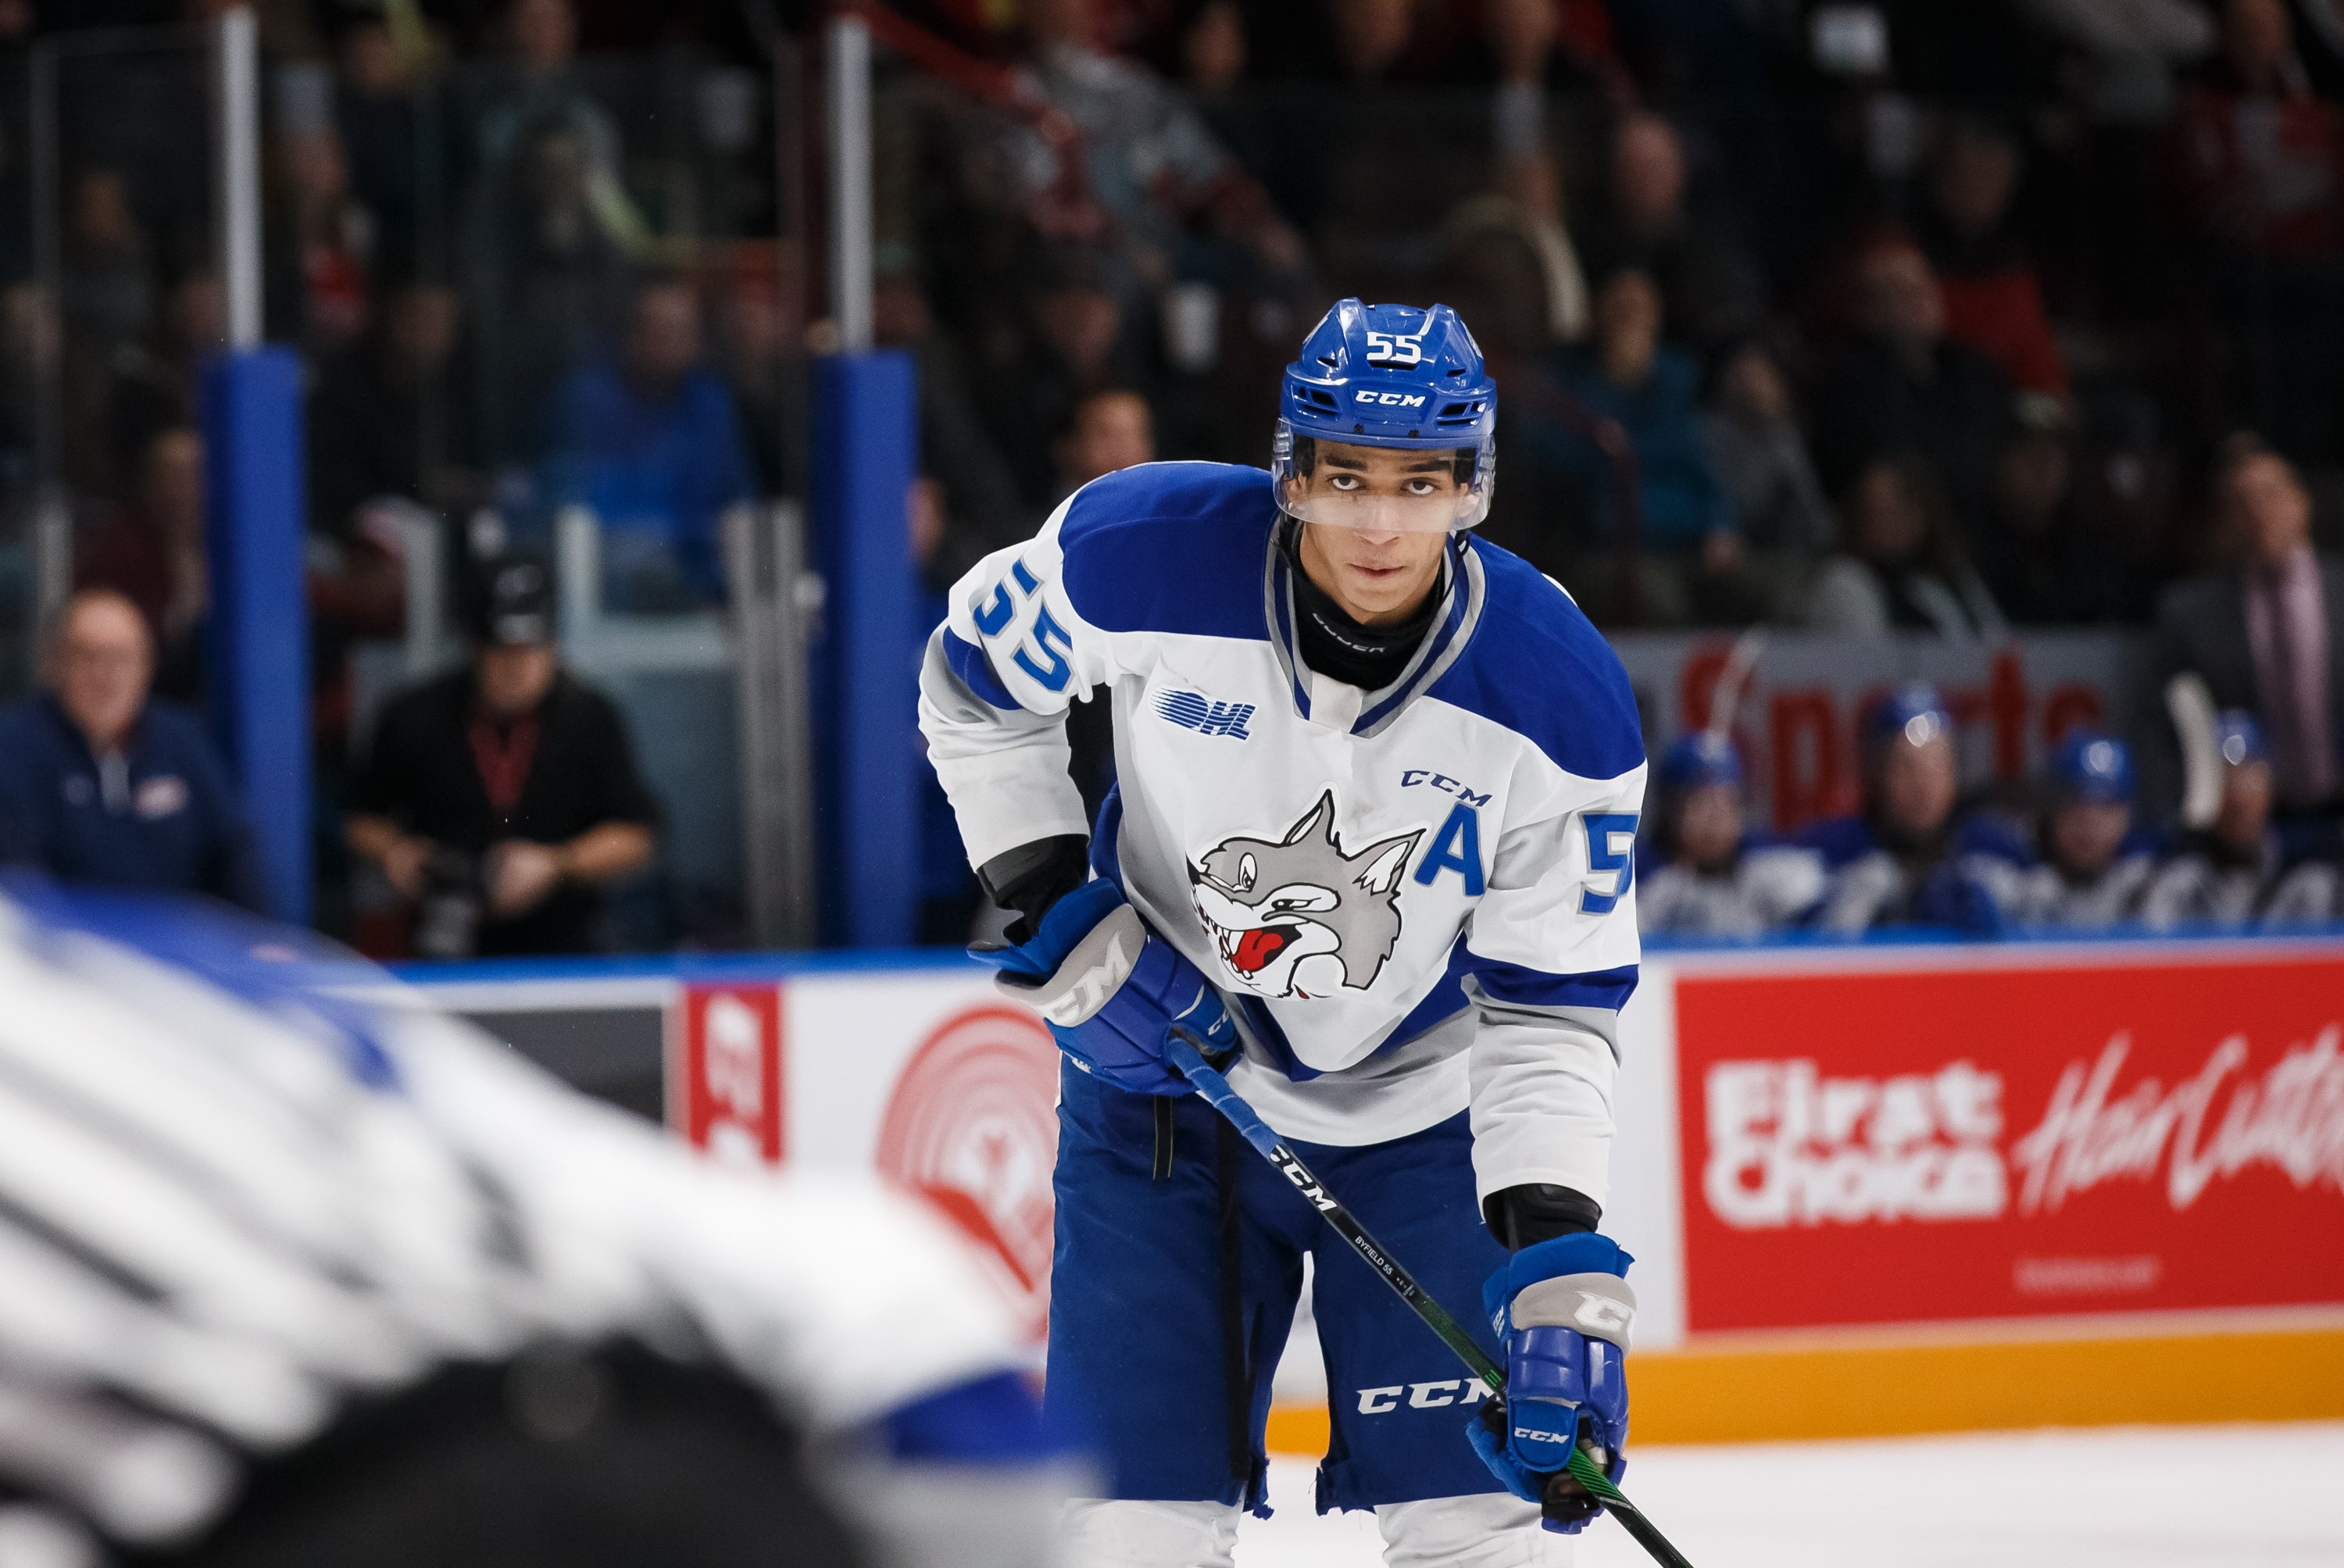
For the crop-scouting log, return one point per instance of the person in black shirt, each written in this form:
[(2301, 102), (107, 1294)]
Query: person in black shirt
[(500, 798)]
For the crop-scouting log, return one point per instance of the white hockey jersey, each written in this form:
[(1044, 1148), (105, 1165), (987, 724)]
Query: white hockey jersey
[(1416, 899)]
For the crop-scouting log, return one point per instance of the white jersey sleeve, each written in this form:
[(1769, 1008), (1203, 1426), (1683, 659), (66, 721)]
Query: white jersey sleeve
[(1013, 652), (1561, 902)]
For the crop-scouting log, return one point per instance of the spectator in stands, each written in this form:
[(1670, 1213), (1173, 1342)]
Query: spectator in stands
[(108, 289), (2259, 161), (1711, 875), (2267, 636), (2131, 48), (2235, 872), (1901, 385), (2036, 557), (101, 783), (1909, 859), (544, 281), (539, 86), (1518, 282), (378, 107), (1112, 429), (502, 799), (1649, 391), (390, 418), (1713, 285), (756, 342), (650, 442), (153, 384), (1152, 162), (978, 507), (333, 236), (1900, 567), (2095, 866), (1752, 438), (1994, 299), (1075, 340), (151, 552)]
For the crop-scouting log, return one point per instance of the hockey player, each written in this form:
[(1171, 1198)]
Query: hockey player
[(2095, 866), (291, 1278), (1714, 878), (1373, 836), (2236, 873), (1909, 859)]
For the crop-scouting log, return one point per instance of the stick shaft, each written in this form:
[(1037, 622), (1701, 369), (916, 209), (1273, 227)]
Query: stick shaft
[(1182, 1049)]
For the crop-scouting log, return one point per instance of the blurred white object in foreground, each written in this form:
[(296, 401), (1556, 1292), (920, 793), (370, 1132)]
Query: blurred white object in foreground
[(246, 1184)]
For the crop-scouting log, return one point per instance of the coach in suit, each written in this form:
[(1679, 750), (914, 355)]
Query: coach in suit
[(2268, 635)]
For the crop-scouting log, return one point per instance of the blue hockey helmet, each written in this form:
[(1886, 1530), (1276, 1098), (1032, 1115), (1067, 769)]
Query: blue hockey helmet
[(1699, 760), (1390, 376), (2238, 738), (1913, 712), (2093, 768)]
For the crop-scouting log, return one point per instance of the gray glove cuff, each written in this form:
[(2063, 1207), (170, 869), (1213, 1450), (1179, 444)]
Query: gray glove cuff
[(1097, 967), (1600, 1306)]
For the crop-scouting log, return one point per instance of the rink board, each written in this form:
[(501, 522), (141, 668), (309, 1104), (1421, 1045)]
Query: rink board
[(1871, 1189)]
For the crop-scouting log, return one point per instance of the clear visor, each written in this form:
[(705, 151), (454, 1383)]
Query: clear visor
[(1381, 489)]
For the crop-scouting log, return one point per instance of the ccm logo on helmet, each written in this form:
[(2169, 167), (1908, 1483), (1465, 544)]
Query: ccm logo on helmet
[(1392, 399)]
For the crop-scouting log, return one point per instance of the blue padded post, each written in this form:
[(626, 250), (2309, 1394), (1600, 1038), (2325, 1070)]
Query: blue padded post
[(865, 456), (258, 653)]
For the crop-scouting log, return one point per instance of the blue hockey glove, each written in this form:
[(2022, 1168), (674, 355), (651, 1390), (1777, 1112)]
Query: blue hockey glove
[(1564, 1308), (1111, 991)]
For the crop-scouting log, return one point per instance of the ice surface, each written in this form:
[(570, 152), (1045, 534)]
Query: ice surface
[(2138, 1497)]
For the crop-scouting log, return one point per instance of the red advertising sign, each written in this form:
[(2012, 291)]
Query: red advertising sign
[(2011, 1140), (724, 1072), (973, 1124)]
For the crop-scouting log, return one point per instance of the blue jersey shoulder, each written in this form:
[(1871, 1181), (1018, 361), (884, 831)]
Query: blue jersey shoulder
[(1838, 839), (1170, 547), (1983, 832), (1536, 665)]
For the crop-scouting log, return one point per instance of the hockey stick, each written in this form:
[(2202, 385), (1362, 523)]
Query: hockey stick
[(1186, 1053)]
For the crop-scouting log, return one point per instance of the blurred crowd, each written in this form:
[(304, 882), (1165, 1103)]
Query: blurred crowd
[(1860, 318), (2074, 854), (1855, 318)]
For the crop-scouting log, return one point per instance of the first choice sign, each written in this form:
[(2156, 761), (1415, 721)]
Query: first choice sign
[(2005, 1140)]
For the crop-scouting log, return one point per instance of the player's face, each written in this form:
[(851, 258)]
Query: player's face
[(1917, 785), (1375, 522), (2086, 834), (1709, 825), (1377, 578)]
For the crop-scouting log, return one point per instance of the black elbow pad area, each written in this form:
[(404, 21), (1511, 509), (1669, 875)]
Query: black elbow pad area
[(1521, 1217), (1028, 880)]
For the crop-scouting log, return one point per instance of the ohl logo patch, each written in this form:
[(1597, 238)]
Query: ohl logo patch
[(1195, 711)]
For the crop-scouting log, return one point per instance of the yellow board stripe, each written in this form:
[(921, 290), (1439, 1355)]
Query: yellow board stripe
[(1892, 1390)]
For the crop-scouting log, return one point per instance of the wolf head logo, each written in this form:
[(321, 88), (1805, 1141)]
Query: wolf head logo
[(1297, 916)]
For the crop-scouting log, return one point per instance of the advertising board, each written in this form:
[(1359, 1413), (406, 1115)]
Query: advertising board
[(2011, 1139)]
